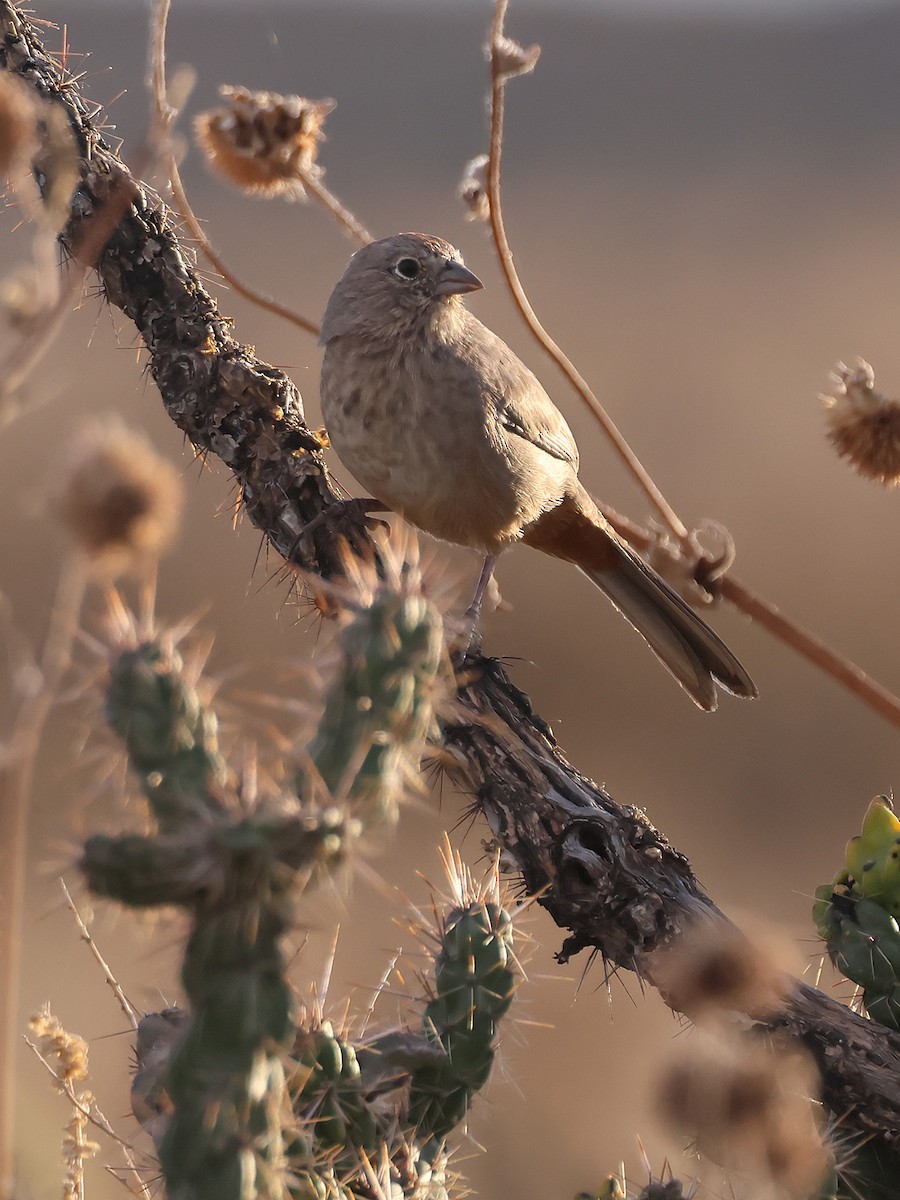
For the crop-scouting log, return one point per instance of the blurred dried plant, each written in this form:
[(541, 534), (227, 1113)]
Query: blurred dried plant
[(751, 1107), (69, 1053), (863, 424), (262, 142), (716, 970), (121, 501)]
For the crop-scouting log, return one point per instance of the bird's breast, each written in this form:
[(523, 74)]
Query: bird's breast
[(422, 445)]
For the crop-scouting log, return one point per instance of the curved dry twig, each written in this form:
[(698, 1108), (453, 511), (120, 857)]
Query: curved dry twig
[(504, 253), (165, 116), (873, 694)]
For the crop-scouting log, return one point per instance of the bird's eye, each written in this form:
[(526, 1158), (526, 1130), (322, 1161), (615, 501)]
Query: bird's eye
[(407, 268)]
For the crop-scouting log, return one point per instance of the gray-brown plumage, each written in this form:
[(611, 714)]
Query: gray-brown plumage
[(440, 421)]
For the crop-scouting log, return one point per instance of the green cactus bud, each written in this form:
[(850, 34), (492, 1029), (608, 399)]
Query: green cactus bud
[(873, 857)]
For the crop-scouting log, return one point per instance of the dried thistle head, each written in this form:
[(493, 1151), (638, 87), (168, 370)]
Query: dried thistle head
[(714, 970), (509, 58), (750, 1107), (18, 125), (473, 189), (66, 1050), (863, 425), (121, 501), (263, 142)]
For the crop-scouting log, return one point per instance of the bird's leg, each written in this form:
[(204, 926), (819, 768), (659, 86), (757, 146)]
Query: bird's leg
[(473, 612)]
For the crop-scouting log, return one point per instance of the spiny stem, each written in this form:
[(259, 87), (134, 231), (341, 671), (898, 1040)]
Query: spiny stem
[(547, 343)]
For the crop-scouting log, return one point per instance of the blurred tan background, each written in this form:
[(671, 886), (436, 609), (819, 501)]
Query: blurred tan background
[(704, 211)]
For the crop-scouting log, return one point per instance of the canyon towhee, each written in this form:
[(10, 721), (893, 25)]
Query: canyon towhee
[(437, 417)]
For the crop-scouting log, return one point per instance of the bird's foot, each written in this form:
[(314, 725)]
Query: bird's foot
[(469, 640), (357, 508)]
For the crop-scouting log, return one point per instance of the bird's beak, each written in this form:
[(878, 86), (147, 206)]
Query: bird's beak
[(455, 279)]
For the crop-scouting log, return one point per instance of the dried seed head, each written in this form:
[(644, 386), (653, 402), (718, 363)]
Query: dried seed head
[(509, 58), (717, 969), (474, 190), (864, 425), (18, 136), (121, 501), (68, 1051), (262, 142), (750, 1108)]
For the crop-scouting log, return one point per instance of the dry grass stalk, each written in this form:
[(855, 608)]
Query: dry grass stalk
[(69, 1053)]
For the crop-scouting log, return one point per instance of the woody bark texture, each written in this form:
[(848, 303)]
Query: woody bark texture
[(603, 872)]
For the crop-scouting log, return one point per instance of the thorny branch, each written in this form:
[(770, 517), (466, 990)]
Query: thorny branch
[(603, 872)]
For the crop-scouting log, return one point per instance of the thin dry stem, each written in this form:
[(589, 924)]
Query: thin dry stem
[(104, 966), (196, 229), (547, 343), (165, 117), (873, 694), (16, 780), (96, 1117), (330, 202), (854, 679)]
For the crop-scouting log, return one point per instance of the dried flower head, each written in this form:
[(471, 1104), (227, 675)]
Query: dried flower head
[(509, 58), (474, 190), (262, 142), (718, 969), (864, 425), (121, 501), (66, 1054), (18, 136), (749, 1106), (67, 1051)]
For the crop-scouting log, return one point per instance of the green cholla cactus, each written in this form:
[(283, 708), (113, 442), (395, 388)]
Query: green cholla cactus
[(474, 983), (856, 916), (328, 1095), (379, 709), (170, 738), (240, 1124), (864, 944)]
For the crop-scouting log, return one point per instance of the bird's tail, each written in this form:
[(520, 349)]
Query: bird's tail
[(681, 640)]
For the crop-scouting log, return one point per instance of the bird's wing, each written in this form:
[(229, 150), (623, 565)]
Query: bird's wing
[(531, 423), (521, 405)]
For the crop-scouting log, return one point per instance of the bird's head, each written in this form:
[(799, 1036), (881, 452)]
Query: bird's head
[(395, 285)]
